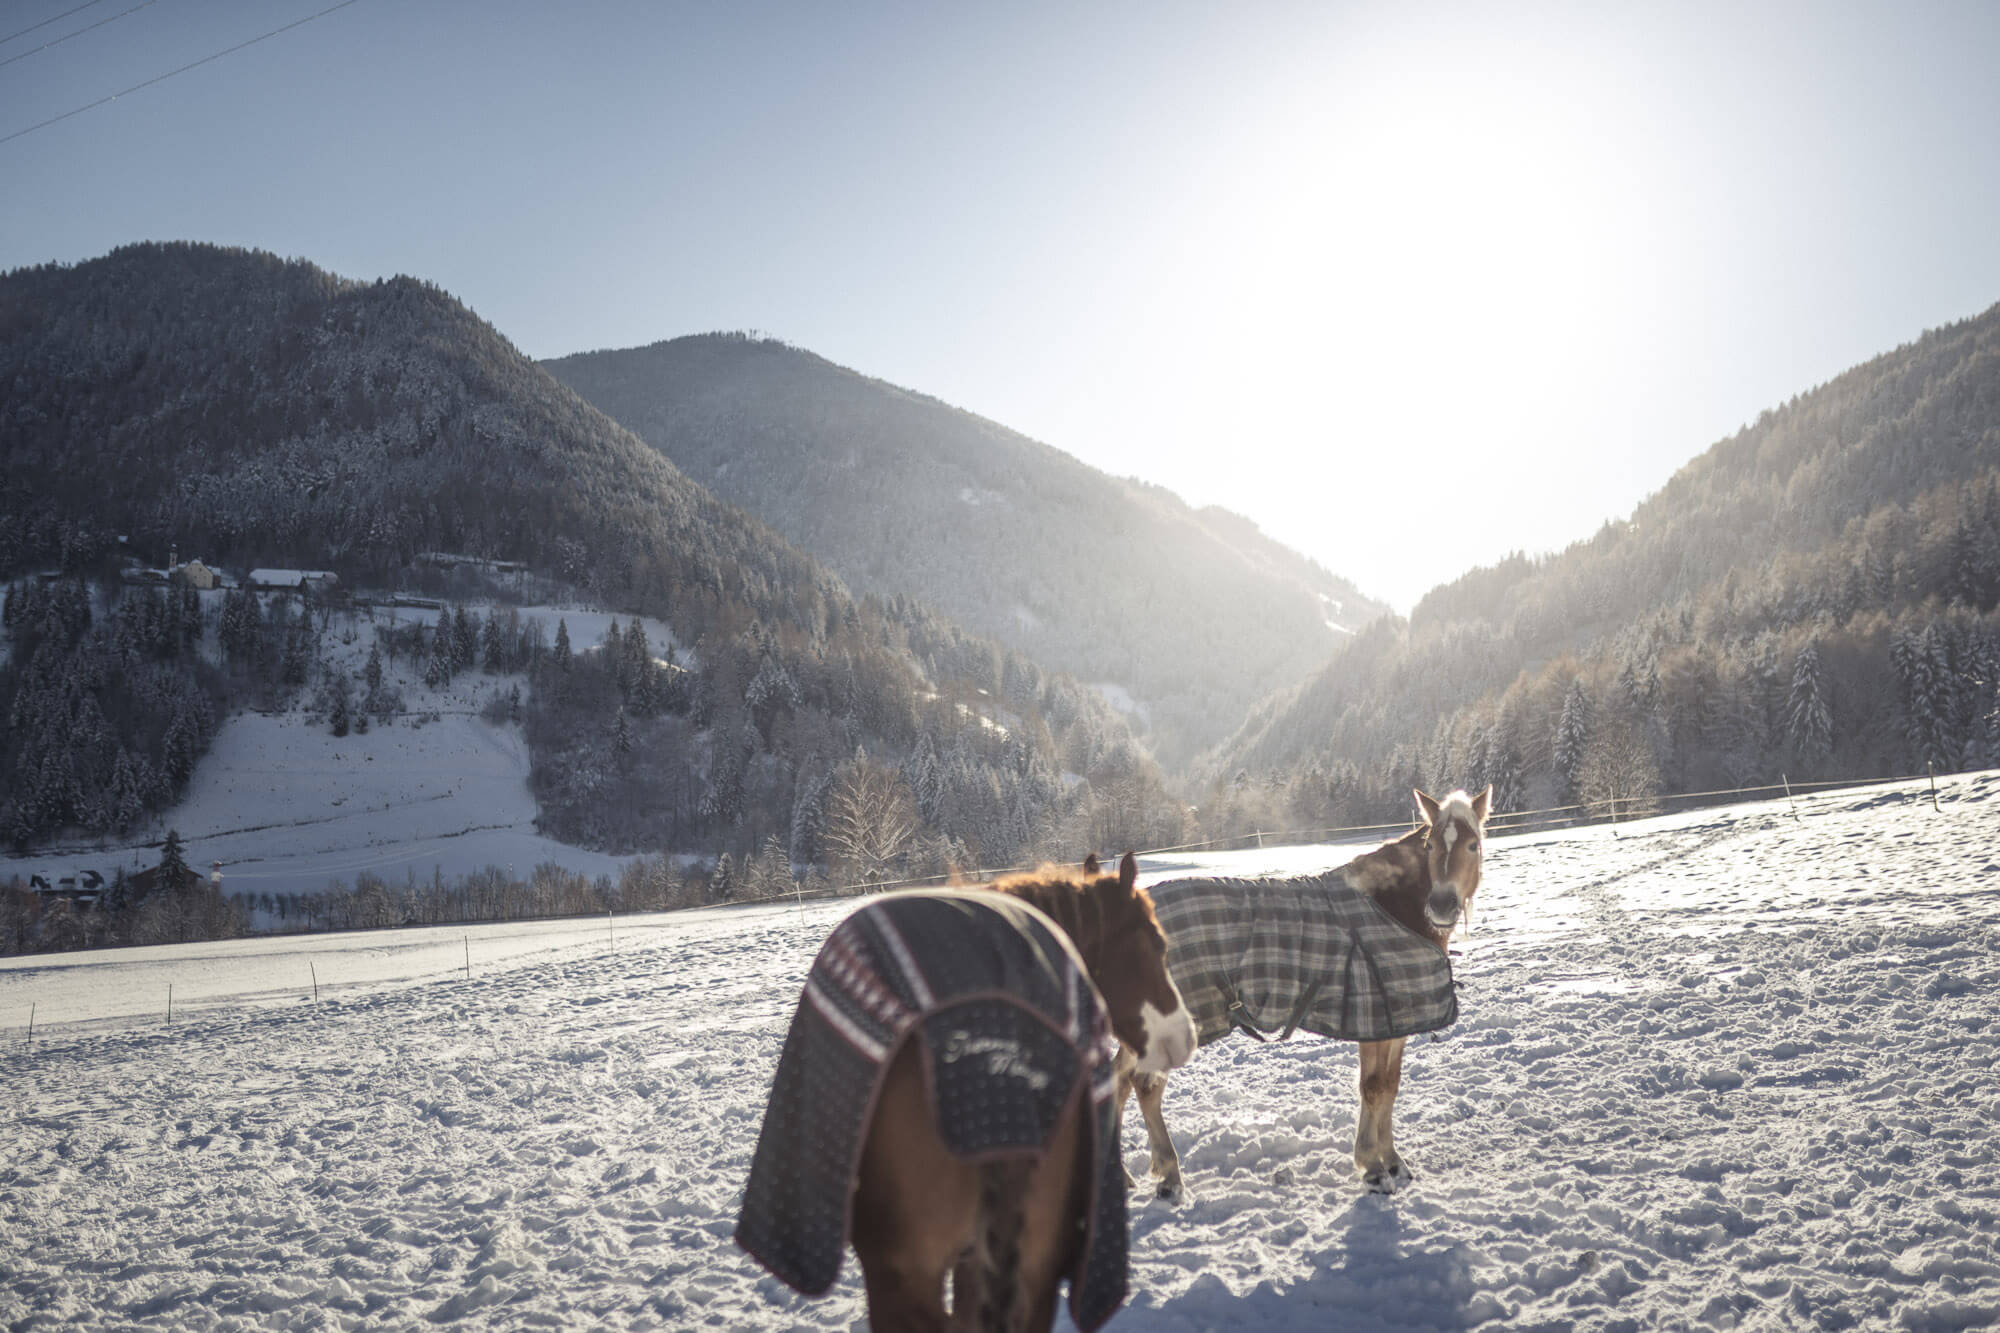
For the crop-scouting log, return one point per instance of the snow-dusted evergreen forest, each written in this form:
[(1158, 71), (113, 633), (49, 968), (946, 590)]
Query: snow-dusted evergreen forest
[(251, 411), (1726, 1069), (1812, 599)]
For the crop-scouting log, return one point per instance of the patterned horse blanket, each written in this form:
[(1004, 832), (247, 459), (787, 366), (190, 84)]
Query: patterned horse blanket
[(1012, 1029), (1269, 955)]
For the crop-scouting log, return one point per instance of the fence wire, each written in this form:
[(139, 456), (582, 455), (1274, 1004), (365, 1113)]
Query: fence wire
[(1608, 810)]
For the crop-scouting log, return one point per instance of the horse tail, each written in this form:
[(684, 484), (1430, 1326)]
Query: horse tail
[(1003, 1188)]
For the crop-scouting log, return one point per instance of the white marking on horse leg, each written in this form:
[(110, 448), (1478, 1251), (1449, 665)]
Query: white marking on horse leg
[(1166, 1166), (1123, 1067), (1374, 1130), (1364, 1113), (1169, 1039), (1389, 1173)]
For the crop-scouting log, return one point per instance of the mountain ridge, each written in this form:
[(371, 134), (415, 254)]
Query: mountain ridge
[(252, 410), (1109, 578), (1812, 596)]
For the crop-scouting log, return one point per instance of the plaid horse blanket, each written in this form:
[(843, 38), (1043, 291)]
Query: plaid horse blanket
[(1269, 955), (1012, 1029)]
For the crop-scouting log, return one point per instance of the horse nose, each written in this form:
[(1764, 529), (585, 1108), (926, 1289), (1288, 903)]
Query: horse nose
[(1170, 1038), (1443, 905)]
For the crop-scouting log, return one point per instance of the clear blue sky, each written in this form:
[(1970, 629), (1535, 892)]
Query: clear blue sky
[(1511, 263)]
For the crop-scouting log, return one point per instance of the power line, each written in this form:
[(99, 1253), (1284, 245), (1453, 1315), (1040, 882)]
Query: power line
[(162, 78), (78, 33), (46, 22)]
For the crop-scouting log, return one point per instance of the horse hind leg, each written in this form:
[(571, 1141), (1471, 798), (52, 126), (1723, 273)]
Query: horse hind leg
[(914, 1207), (1029, 1235)]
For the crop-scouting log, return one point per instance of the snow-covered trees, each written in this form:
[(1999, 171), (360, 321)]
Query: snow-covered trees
[(1572, 742), (1808, 713)]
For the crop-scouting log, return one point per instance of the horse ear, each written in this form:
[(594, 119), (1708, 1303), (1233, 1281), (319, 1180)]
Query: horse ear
[(1429, 804), (1482, 803), (1128, 871), (1091, 865)]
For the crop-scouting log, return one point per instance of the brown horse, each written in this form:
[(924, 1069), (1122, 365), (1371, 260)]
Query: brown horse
[(1426, 881), (1007, 1222)]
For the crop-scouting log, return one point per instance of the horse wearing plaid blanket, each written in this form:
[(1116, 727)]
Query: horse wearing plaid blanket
[(946, 1099), (1356, 954)]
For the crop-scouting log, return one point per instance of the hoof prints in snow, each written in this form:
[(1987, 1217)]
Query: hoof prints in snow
[(1775, 1119)]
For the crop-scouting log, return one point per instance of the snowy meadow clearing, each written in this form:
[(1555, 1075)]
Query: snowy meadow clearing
[(1732, 1068)]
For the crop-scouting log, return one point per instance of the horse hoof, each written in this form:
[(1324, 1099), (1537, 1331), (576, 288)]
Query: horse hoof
[(1167, 1189)]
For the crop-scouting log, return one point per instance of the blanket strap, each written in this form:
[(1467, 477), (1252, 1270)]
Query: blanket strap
[(1304, 1006), (1236, 1018), (1299, 1010)]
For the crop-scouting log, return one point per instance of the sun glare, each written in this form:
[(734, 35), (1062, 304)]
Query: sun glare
[(1452, 262)]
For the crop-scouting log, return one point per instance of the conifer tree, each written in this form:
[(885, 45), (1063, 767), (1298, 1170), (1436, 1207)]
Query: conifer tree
[(1572, 741), (464, 640), (437, 667), (1808, 716), (173, 871), (340, 707), (492, 644), (807, 806)]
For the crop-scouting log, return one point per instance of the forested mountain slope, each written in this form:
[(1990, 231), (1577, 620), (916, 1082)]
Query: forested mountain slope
[(251, 410), (1813, 596), (1195, 613)]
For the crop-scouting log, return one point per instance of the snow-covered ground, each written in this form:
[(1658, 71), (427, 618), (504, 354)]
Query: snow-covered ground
[(1725, 1069), (289, 808)]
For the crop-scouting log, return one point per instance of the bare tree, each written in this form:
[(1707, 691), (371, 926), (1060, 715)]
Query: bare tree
[(1619, 768), (871, 818)]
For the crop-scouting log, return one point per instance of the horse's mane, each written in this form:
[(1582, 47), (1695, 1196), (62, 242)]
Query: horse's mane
[(1089, 907)]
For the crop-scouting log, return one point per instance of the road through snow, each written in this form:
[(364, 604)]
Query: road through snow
[(1724, 1069)]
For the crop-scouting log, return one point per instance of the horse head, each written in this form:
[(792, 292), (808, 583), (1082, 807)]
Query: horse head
[(1127, 954), (1454, 837)]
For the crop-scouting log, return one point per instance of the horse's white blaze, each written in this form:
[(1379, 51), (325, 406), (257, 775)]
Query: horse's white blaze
[(1169, 1038)]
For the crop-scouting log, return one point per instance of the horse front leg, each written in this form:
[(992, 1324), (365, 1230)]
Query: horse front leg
[(1374, 1130), (1152, 1090), (1126, 1068), (1166, 1168)]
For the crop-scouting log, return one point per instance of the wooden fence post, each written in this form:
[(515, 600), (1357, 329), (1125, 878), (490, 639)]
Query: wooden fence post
[(1931, 773)]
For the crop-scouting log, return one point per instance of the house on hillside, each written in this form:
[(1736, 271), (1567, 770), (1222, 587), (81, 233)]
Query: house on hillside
[(83, 888), (194, 574), (452, 560), (315, 582), (145, 881)]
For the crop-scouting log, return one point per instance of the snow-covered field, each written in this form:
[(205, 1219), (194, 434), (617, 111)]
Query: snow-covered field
[(1725, 1069)]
